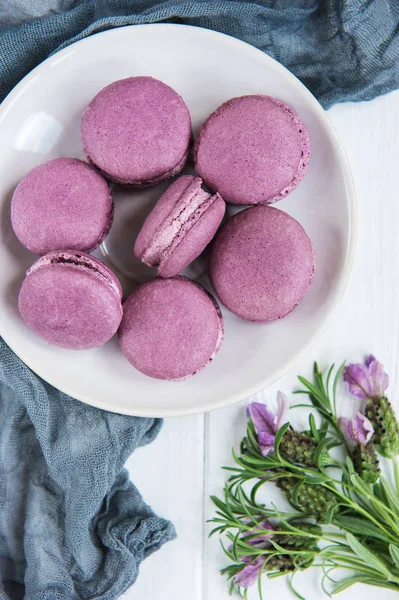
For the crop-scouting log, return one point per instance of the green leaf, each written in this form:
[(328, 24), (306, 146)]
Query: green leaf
[(279, 436), (349, 465), (313, 427), (321, 454), (260, 573), (361, 527), (391, 497), (252, 437), (330, 514), (349, 581), (330, 370), (394, 552), (359, 484), (323, 429), (363, 552), (220, 505), (315, 394), (234, 549), (315, 480), (296, 490)]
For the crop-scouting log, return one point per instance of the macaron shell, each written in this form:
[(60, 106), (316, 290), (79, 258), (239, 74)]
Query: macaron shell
[(137, 131), (252, 150), (171, 328), (195, 241), (70, 306), (142, 185), (80, 259), (262, 264), (162, 209), (63, 203)]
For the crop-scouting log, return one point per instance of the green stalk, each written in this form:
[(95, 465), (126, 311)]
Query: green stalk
[(396, 472), (372, 499)]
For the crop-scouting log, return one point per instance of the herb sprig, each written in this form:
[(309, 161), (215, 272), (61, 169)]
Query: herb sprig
[(345, 513)]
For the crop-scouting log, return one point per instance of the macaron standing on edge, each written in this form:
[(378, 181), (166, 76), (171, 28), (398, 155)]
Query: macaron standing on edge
[(137, 131), (252, 150), (71, 300), (62, 203), (182, 223), (262, 264), (171, 328)]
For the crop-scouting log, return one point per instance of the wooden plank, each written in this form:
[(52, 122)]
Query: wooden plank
[(169, 474)]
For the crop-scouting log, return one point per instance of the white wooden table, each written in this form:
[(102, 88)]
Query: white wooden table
[(179, 471)]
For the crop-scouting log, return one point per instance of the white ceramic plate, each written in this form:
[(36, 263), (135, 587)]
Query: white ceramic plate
[(40, 120)]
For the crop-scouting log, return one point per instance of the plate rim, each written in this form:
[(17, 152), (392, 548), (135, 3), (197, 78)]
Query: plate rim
[(342, 285)]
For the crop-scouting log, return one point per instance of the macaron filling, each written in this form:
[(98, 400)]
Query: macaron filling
[(192, 204)]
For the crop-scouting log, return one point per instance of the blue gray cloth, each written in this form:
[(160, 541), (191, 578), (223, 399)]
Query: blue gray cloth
[(71, 524), (341, 49)]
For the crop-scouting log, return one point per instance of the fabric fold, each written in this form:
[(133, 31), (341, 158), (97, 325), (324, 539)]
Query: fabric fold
[(71, 523)]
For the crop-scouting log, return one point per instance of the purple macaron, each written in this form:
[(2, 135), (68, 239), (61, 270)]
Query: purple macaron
[(182, 223), (71, 300), (262, 264), (171, 328), (137, 131), (63, 203), (252, 150)]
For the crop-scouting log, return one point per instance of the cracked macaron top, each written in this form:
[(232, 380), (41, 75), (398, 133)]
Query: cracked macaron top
[(137, 131), (71, 300), (180, 226), (252, 150)]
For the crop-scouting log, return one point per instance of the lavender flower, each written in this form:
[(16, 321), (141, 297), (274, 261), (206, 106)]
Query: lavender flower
[(283, 562), (386, 426), (366, 463), (267, 423), (262, 540), (249, 573), (367, 380), (359, 429)]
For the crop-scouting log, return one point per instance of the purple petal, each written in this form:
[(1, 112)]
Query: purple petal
[(357, 377), (379, 378), (262, 418), (262, 540), (359, 429), (266, 439), (282, 403), (368, 380), (266, 442), (249, 573)]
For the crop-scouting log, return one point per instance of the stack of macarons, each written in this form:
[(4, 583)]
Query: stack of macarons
[(253, 150)]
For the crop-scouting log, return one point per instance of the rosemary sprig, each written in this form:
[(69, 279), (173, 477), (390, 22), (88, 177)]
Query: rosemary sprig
[(345, 514)]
